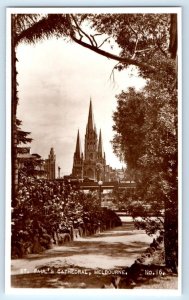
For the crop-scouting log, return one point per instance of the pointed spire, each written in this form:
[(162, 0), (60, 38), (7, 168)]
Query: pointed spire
[(90, 124), (78, 147), (100, 145)]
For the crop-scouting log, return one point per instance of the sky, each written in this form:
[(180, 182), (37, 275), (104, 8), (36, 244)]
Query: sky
[(56, 81)]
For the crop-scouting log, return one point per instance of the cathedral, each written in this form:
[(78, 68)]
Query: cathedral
[(92, 163)]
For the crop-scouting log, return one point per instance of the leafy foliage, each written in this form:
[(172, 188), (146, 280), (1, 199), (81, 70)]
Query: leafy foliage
[(46, 209), (146, 136), (32, 28), (22, 136), (140, 37)]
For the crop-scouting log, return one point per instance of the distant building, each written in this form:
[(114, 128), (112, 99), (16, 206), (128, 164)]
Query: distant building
[(34, 165), (50, 165), (30, 164)]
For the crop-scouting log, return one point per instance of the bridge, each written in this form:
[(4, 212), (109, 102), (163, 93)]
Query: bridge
[(94, 185), (105, 199), (89, 185)]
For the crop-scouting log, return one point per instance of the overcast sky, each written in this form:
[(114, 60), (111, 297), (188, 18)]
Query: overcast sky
[(56, 80)]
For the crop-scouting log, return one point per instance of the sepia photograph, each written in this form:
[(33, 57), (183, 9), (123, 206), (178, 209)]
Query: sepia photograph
[(93, 179)]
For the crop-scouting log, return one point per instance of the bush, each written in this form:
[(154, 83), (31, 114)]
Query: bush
[(46, 210)]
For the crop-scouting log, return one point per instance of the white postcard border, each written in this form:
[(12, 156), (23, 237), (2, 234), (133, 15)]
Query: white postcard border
[(49, 291)]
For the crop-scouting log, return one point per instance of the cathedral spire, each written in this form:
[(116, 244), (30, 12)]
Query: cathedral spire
[(78, 147), (100, 145), (90, 124)]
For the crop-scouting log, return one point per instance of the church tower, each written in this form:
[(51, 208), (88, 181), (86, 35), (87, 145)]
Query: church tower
[(91, 144), (77, 170), (50, 165), (90, 137), (92, 164)]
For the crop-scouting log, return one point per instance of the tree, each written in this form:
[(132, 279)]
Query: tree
[(141, 37), (22, 136), (146, 136), (18, 24)]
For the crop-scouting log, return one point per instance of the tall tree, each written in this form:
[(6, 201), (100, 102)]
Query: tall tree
[(18, 24), (22, 136), (146, 137)]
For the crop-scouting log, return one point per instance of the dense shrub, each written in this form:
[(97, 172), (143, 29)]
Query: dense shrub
[(51, 212)]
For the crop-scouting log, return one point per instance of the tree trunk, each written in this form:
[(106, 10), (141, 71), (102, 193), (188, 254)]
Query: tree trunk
[(171, 209), (171, 237), (14, 160), (173, 36)]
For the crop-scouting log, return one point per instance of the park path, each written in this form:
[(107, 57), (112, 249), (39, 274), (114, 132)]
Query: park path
[(111, 249)]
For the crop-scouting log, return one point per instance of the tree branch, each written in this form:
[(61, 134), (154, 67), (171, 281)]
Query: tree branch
[(135, 48), (78, 31), (130, 27), (97, 34), (112, 73), (145, 50), (92, 36), (81, 31), (123, 60), (162, 51), (160, 220), (104, 42)]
